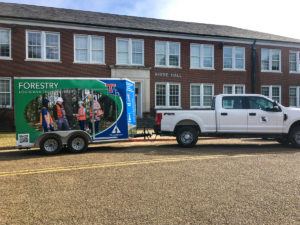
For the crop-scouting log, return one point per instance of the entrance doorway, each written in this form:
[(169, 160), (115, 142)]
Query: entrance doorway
[(138, 100)]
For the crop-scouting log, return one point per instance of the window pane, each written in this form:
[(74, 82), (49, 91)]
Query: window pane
[(122, 46), (275, 91), (195, 95), (232, 102), (239, 89), (34, 45), (239, 63), (195, 101), (137, 46), (207, 51), (265, 91), (227, 89), (275, 65), (137, 58), (160, 48), (265, 59), (195, 50), (97, 56), (82, 55), (174, 95), (275, 55), (4, 43), (207, 90), (227, 52), (123, 58), (174, 48), (97, 43), (81, 42), (160, 60), (195, 89), (81, 48), (195, 62), (293, 66), (259, 103), (174, 60), (5, 93), (239, 53), (161, 95), (207, 62), (227, 63), (4, 50), (293, 97)]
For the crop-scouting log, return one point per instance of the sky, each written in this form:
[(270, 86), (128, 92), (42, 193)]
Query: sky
[(270, 16)]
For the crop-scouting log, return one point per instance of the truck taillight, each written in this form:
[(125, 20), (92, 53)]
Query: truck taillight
[(158, 118)]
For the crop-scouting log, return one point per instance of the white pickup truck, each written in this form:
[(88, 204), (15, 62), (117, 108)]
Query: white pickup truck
[(248, 115)]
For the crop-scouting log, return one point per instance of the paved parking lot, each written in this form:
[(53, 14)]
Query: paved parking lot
[(217, 182)]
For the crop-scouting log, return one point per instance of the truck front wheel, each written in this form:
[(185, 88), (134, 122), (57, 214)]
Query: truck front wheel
[(295, 137), (51, 144), (186, 136)]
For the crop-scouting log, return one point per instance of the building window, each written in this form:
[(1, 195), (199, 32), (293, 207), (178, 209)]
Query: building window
[(201, 95), (5, 92), (233, 58), (273, 92), (270, 60), (5, 43), (89, 49), (130, 52), (234, 89), (167, 95), (167, 54), (202, 56), (294, 99), (43, 45), (294, 62)]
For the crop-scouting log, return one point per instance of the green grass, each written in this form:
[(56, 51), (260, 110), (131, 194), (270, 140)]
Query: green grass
[(7, 139)]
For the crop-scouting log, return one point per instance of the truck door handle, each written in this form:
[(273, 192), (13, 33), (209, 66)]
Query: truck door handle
[(223, 114), (252, 114)]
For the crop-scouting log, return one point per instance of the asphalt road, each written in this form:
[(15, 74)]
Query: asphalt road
[(216, 182)]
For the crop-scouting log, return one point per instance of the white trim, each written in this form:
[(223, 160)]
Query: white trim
[(201, 46), (43, 46), (233, 58), (233, 86), (270, 60), (9, 43), (201, 94), (130, 63), (168, 54), (168, 95), (10, 90), (270, 91), (89, 49)]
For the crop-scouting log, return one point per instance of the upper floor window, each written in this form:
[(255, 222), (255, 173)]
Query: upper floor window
[(201, 95), (42, 45), (167, 54), (5, 43), (88, 49), (5, 92), (294, 97), (294, 61), (270, 60), (202, 56), (273, 92), (130, 52), (167, 95), (234, 89), (233, 58)]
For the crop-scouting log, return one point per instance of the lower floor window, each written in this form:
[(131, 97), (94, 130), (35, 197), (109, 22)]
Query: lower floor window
[(167, 95), (273, 92), (5, 92), (234, 89), (294, 96), (201, 95)]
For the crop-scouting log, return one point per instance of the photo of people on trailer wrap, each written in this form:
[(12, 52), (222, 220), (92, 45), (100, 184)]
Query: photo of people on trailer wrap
[(72, 109)]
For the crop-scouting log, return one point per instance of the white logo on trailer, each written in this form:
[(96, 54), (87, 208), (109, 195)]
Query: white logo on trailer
[(116, 130)]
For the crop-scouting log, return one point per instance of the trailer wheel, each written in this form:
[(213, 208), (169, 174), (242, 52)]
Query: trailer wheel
[(294, 137), (51, 144), (186, 136), (77, 143)]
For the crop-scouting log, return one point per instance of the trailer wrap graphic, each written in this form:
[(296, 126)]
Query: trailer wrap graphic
[(112, 100)]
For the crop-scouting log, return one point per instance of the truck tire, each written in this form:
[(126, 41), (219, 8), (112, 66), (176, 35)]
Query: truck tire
[(294, 137), (283, 140), (186, 136), (77, 143), (51, 144)]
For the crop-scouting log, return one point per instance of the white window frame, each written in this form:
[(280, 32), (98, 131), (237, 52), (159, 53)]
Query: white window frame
[(297, 96), (201, 46), (233, 68), (270, 91), (270, 60), (89, 49), (167, 106), (130, 63), (9, 42), (43, 46), (201, 94), (297, 62), (168, 54), (10, 93), (233, 88)]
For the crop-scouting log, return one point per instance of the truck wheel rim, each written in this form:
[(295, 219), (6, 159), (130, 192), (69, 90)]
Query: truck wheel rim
[(78, 143), (297, 138), (50, 145), (187, 137)]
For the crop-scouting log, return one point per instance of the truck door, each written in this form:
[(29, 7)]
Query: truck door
[(264, 116), (232, 117)]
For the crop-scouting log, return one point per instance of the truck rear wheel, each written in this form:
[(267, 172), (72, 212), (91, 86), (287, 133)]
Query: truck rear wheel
[(186, 136), (77, 143), (51, 144), (295, 137)]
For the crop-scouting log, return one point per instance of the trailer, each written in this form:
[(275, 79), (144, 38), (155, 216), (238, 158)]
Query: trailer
[(49, 112)]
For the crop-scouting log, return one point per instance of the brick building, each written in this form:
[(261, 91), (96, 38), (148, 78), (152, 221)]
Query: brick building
[(177, 65)]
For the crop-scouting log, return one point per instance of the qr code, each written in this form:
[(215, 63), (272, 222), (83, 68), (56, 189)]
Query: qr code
[(23, 138)]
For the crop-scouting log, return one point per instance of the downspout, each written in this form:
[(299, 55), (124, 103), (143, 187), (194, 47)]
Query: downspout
[(253, 65)]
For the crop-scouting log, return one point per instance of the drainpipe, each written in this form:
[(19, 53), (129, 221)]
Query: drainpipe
[(253, 65)]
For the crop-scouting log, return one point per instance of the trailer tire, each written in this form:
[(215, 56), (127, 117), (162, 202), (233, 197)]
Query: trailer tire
[(186, 136), (294, 137), (77, 143), (51, 144)]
